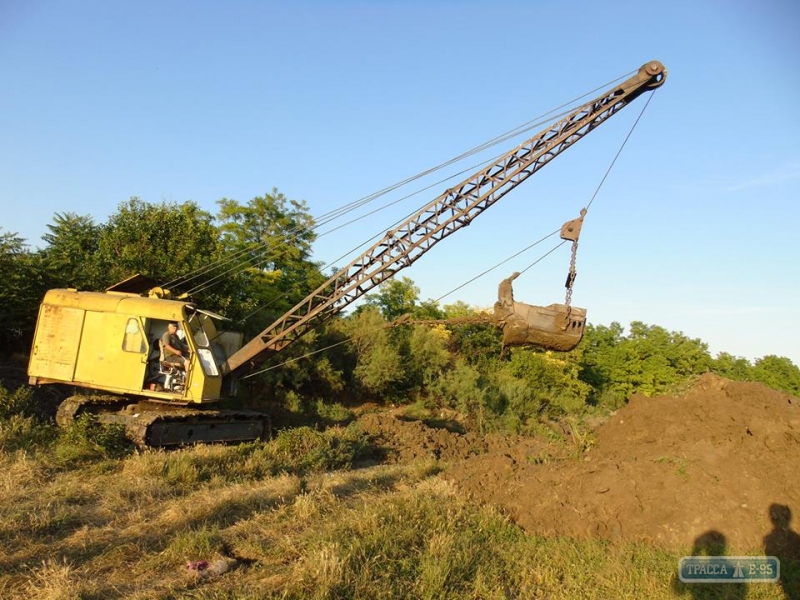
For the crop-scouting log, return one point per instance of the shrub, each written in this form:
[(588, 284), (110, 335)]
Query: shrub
[(88, 439), (333, 413), (20, 428), (304, 449), (18, 402), (18, 432), (460, 388), (427, 354)]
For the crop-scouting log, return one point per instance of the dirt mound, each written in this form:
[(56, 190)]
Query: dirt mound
[(404, 440), (665, 469)]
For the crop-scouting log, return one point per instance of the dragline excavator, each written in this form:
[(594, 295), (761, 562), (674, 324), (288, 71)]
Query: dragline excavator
[(109, 342)]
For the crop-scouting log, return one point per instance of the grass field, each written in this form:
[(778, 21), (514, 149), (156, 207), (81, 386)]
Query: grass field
[(294, 519)]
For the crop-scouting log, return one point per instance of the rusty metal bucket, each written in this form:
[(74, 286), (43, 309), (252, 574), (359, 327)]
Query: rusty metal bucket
[(554, 327)]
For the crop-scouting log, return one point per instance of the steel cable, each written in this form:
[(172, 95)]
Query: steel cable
[(336, 213)]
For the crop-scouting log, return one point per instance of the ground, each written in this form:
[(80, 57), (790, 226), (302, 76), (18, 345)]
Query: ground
[(668, 470), (433, 510)]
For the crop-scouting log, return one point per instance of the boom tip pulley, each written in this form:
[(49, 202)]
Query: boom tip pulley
[(657, 71)]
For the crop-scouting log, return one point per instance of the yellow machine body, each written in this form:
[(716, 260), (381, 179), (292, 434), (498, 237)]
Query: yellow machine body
[(110, 341)]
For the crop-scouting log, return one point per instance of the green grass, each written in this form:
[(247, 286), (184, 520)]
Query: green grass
[(82, 516), (382, 532)]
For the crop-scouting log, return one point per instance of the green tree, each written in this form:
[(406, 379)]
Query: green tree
[(282, 228), (667, 358), (379, 367), (428, 309), (462, 388), (270, 240), (778, 372), (552, 379), (23, 287), (600, 346), (476, 343), (396, 297), (650, 360), (732, 367), (71, 252), (427, 355), (458, 309), (165, 241)]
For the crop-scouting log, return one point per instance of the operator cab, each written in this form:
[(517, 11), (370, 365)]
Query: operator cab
[(208, 350), (163, 376)]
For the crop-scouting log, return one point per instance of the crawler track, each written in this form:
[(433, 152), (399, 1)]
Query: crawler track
[(151, 424)]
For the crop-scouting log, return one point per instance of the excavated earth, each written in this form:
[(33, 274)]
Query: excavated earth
[(665, 470)]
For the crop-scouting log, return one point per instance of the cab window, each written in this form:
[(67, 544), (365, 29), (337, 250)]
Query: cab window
[(134, 339)]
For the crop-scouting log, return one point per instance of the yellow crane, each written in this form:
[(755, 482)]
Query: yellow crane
[(110, 341)]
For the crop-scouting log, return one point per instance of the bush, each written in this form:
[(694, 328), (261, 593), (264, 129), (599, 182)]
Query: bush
[(24, 433), (333, 413), (304, 449), (20, 428), (460, 388), (88, 439), (513, 402), (19, 402), (427, 354)]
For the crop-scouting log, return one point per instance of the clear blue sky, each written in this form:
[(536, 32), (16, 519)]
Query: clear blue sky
[(330, 101)]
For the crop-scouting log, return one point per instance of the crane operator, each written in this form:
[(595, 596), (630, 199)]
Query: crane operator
[(174, 350)]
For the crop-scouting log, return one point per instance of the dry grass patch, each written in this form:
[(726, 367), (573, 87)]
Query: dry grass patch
[(127, 530)]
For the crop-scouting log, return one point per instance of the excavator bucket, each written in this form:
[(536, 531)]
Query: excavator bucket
[(554, 327)]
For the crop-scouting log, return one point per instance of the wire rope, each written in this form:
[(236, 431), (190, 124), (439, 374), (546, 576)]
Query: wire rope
[(336, 213), (350, 338), (492, 268)]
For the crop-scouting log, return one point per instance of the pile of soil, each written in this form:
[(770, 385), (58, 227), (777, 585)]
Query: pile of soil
[(722, 458), (403, 440)]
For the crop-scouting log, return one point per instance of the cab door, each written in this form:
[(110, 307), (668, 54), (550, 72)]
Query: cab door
[(113, 352)]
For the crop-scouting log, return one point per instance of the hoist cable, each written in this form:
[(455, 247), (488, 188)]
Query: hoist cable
[(525, 127), (571, 277), (374, 237), (613, 162), (263, 259), (350, 338), (625, 141), (502, 262), (336, 213), (605, 176), (333, 215), (222, 262)]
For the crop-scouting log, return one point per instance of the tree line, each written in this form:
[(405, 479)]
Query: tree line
[(252, 262)]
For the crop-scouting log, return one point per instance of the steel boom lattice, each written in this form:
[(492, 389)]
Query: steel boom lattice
[(454, 209)]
